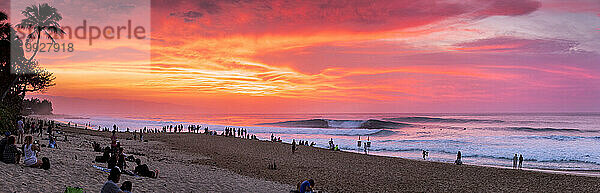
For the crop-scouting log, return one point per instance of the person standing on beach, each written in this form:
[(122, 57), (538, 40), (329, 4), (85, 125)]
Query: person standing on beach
[(515, 161), (41, 130), (20, 130), (113, 140), (293, 146), (520, 161)]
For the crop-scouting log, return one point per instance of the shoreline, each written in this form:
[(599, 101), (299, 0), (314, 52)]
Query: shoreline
[(335, 171), (580, 172)]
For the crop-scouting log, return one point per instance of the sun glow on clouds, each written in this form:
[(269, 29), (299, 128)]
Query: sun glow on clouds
[(383, 55)]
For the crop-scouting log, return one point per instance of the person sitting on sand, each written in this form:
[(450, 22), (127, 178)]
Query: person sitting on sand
[(3, 143), (29, 151), (112, 161), (52, 142), (96, 147), (306, 186), (110, 186), (142, 170), (126, 186), (121, 159), (458, 159), (11, 154)]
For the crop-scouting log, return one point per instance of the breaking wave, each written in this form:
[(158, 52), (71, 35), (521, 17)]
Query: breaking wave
[(329, 123)]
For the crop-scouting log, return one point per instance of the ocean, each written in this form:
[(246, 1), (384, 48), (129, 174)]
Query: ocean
[(556, 141)]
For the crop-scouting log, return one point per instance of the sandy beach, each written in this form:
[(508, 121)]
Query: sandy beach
[(178, 172), (202, 163)]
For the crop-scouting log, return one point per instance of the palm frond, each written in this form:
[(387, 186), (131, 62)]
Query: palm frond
[(3, 16)]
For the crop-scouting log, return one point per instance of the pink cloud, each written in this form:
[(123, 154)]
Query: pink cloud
[(510, 7), (572, 6), (514, 44), (259, 17)]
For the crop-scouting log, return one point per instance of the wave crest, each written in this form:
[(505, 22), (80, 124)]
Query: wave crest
[(330, 123)]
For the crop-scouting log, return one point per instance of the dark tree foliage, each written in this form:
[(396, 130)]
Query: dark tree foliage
[(37, 106), (18, 75)]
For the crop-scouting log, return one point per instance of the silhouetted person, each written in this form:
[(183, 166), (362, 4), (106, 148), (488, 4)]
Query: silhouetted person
[(293, 146), (520, 161), (143, 170), (331, 146), (515, 161), (458, 159)]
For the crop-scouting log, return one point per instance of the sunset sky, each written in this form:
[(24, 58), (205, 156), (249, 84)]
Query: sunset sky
[(246, 56)]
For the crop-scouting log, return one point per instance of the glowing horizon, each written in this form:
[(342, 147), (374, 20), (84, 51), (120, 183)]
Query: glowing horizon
[(346, 56)]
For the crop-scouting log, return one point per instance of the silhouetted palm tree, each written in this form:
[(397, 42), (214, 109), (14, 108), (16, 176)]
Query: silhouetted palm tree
[(4, 26), (40, 19)]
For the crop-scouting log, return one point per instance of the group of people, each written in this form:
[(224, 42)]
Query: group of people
[(116, 161), (114, 156), (32, 126), (300, 142), (180, 128), (236, 132), (333, 146), (518, 159), (11, 154), (275, 139)]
